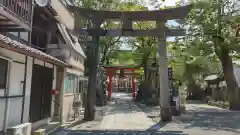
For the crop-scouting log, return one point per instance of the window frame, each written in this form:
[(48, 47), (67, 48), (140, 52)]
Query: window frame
[(71, 84)]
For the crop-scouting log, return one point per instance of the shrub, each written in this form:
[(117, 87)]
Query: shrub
[(221, 104)]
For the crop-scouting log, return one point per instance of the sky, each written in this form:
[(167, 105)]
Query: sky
[(151, 7), (165, 3)]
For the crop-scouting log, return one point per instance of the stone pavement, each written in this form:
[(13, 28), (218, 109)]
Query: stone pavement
[(200, 119), (122, 117), (123, 114)]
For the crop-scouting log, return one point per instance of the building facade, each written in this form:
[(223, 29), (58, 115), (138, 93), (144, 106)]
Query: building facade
[(41, 64), (70, 51), (28, 74)]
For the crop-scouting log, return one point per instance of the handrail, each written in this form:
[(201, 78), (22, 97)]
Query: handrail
[(56, 103), (20, 8)]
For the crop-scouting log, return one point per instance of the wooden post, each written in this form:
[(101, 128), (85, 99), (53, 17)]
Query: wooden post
[(163, 74)]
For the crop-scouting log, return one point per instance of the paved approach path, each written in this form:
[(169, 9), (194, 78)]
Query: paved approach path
[(122, 113), (122, 117), (200, 119)]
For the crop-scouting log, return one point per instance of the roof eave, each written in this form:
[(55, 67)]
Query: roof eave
[(8, 43)]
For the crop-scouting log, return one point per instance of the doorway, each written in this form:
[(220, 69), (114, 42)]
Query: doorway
[(41, 96)]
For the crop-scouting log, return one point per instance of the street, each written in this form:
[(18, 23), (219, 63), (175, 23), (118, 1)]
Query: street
[(122, 116)]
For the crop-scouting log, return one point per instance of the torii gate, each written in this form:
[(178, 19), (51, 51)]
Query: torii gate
[(127, 18), (111, 71)]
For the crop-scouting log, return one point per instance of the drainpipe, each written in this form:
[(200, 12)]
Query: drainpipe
[(24, 87)]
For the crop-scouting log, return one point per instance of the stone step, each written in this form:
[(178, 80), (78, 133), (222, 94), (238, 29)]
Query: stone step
[(47, 129)]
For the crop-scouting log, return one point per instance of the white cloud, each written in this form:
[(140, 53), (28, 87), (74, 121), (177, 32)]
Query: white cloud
[(170, 2)]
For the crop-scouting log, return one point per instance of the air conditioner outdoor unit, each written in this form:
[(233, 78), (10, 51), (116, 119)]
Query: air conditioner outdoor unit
[(23, 129)]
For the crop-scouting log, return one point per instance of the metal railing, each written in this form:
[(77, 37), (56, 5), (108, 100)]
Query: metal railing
[(19, 8)]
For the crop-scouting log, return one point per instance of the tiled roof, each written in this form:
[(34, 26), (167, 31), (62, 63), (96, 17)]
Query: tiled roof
[(16, 46)]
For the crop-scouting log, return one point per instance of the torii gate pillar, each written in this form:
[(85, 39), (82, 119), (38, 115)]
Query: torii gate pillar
[(89, 113), (163, 74)]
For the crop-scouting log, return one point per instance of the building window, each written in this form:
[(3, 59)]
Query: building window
[(3, 73), (39, 39), (80, 59), (76, 57), (71, 83), (19, 36), (24, 36), (82, 85)]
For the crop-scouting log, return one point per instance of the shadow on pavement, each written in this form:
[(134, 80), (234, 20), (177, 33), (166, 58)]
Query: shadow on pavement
[(228, 121), (120, 106), (156, 127), (198, 117)]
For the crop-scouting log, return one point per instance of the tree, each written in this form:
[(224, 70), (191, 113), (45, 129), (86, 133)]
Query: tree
[(216, 26), (124, 57), (190, 65), (108, 44), (145, 46)]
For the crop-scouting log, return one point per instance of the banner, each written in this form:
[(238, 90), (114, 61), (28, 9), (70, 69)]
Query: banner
[(170, 81)]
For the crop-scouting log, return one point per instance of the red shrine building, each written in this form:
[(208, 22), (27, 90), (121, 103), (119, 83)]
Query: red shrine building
[(121, 79)]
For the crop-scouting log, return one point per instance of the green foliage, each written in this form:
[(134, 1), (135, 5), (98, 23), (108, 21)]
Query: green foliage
[(124, 57), (98, 4), (209, 32)]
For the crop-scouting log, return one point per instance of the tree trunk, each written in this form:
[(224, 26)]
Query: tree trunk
[(232, 85)]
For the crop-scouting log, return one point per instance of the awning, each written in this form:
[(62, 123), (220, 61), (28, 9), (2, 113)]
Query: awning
[(71, 39), (18, 47)]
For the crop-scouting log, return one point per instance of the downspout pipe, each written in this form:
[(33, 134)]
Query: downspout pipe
[(24, 88)]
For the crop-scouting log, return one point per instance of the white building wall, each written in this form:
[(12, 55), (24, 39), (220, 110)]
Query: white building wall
[(16, 78)]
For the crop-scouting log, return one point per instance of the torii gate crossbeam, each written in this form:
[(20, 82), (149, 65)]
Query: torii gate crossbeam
[(130, 32), (127, 18)]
